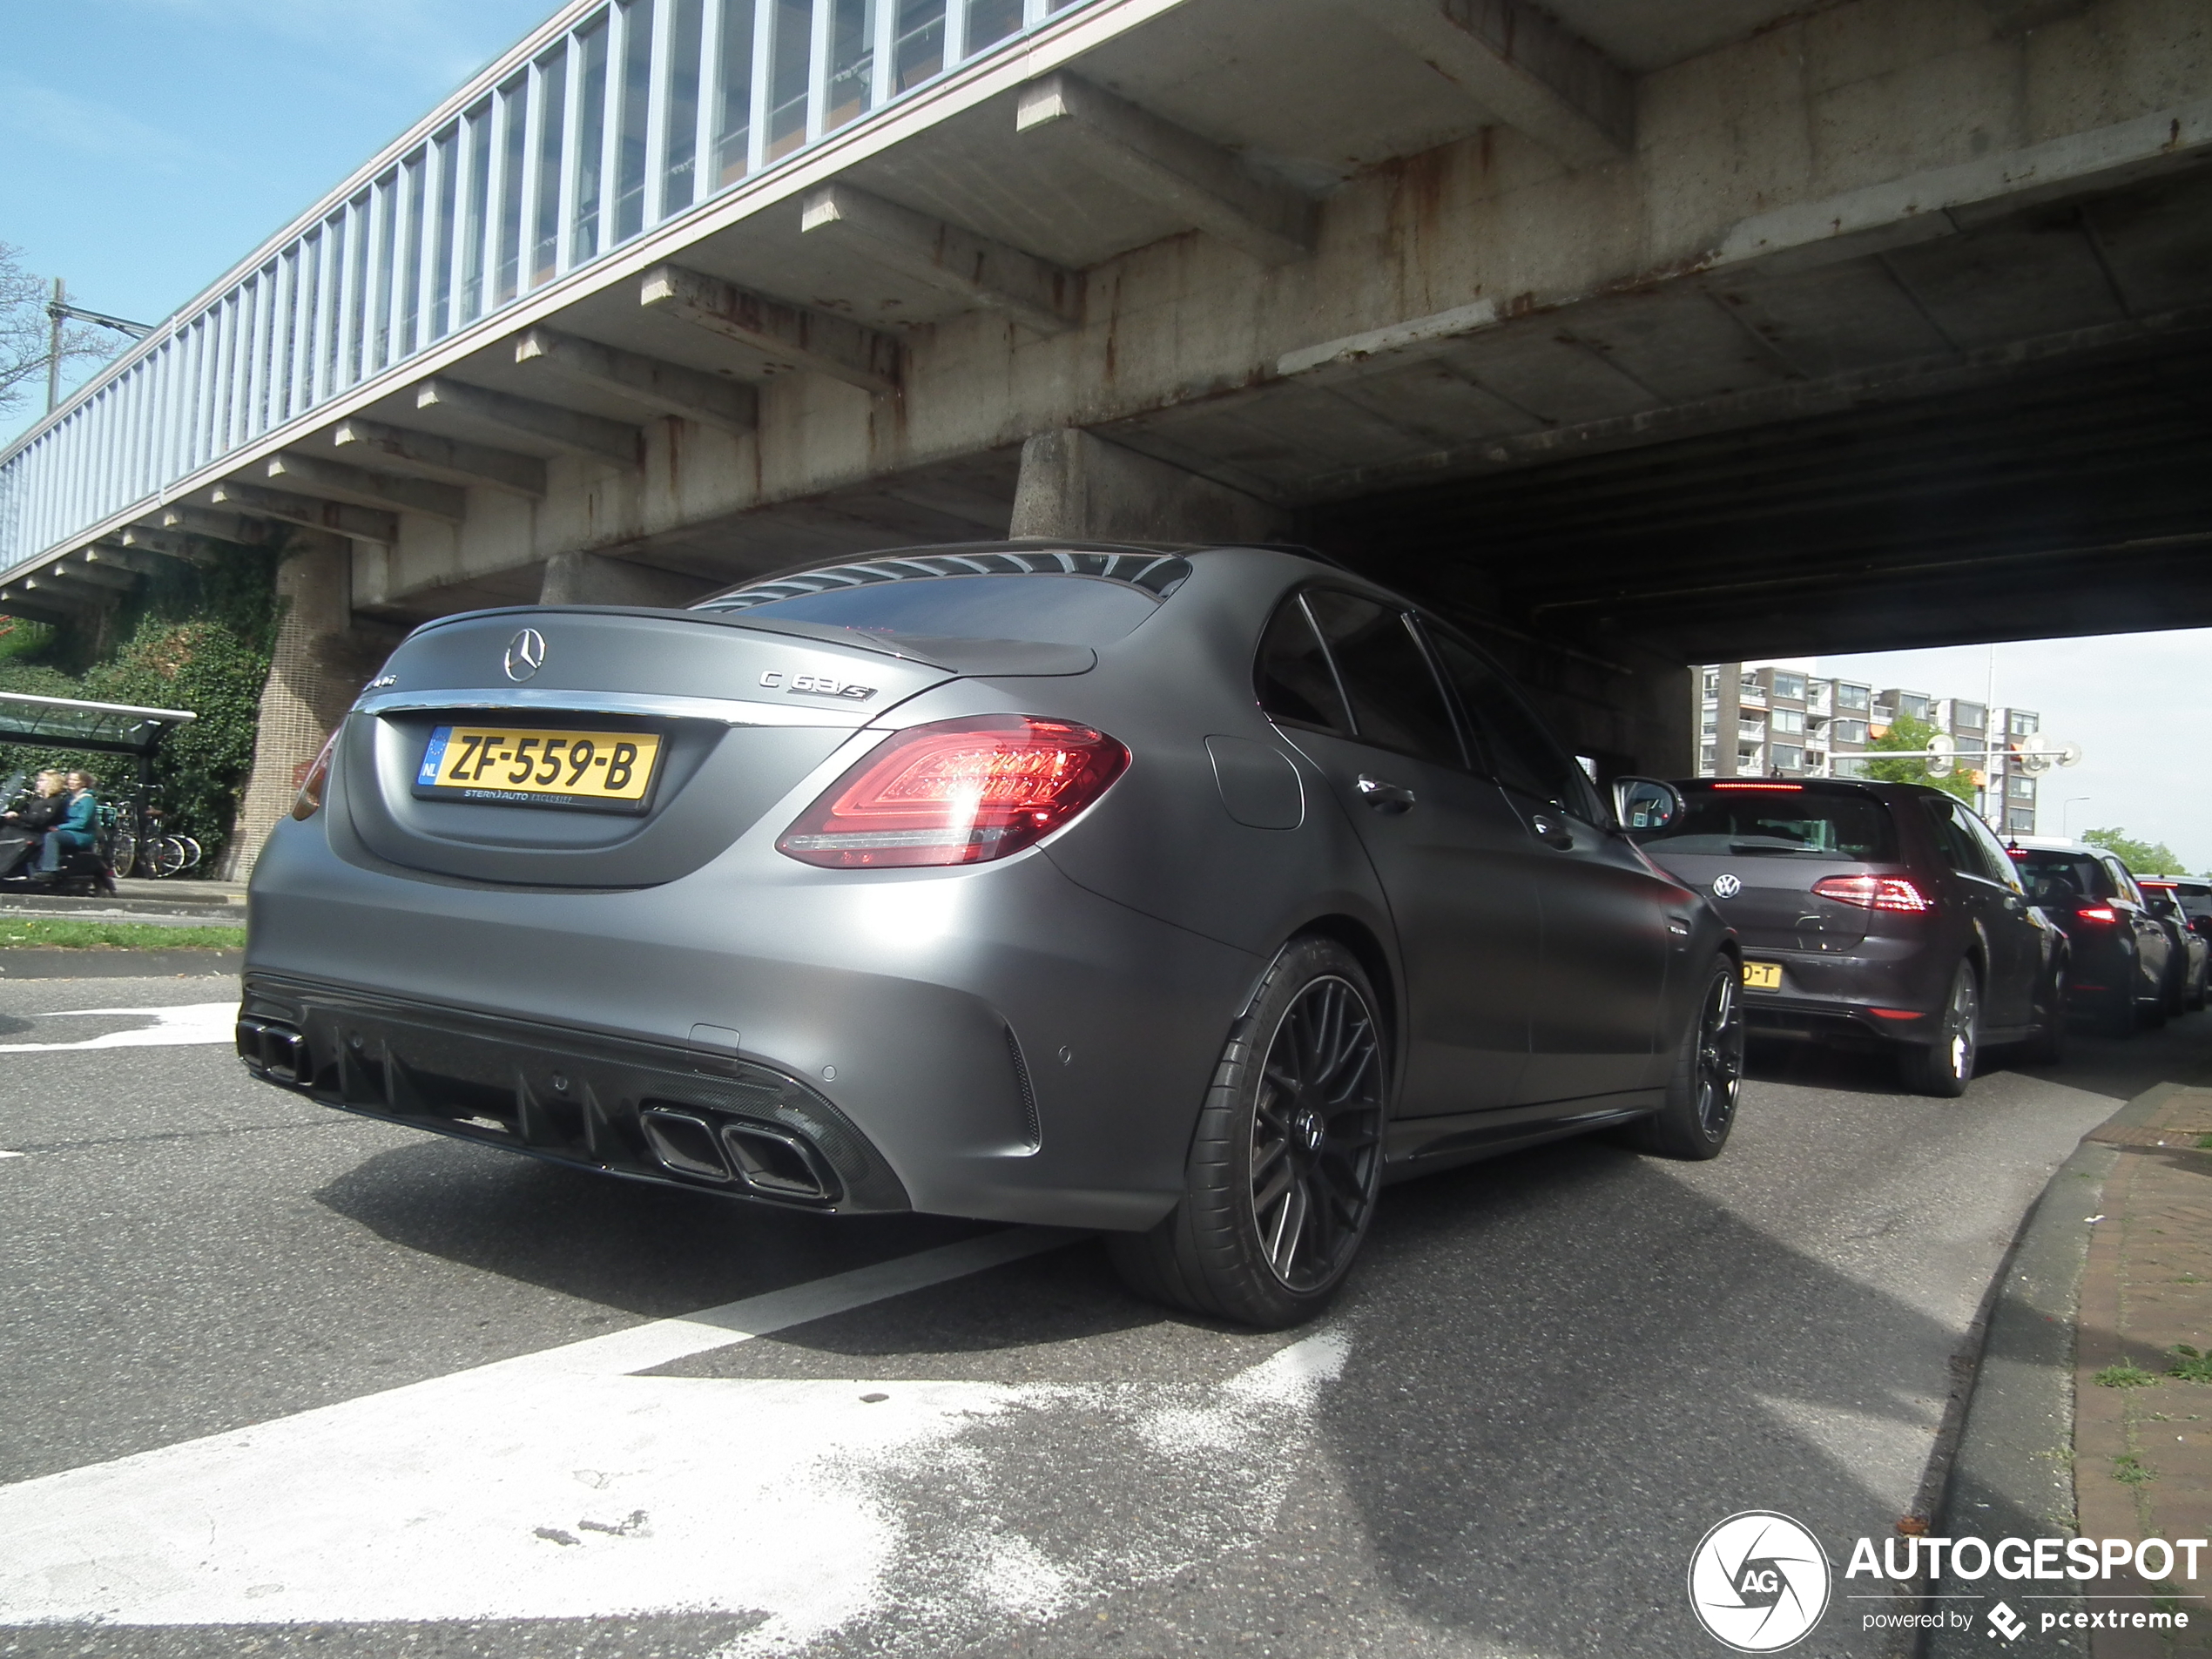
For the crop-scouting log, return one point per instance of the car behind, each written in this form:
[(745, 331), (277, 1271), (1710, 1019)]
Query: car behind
[(1872, 912), (2122, 953)]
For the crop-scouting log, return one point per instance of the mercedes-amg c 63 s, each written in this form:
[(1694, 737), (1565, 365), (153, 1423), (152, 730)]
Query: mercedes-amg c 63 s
[(1185, 893)]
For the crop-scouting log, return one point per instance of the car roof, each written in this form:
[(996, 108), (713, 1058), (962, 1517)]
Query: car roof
[(1879, 788)]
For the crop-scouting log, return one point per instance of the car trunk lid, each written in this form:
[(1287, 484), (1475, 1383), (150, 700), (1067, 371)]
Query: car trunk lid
[(729, 718)]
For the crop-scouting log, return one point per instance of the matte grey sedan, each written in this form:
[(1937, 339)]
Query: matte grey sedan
[(1185, 893)]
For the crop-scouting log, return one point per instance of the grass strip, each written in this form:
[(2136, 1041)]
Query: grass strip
[(42, 935)]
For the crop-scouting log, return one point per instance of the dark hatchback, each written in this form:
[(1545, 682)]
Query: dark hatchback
[(2187, 974), (2122, 953), (1872, 912)]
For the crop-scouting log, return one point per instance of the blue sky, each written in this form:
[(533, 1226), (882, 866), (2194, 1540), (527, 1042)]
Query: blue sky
[(150, 145)]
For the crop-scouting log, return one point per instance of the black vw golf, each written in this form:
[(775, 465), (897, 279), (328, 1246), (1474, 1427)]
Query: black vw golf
[(1874, 911)]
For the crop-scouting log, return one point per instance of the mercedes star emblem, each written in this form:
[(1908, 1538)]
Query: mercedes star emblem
[(525, 654)]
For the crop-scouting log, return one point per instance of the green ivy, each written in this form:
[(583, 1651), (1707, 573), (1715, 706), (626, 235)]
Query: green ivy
[(194, 637)]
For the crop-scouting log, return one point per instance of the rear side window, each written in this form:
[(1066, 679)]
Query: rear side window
[(1296, 683), (1522, 754), (2161, 903), (2075, 875), (1045, 609), (1993, 855), (1396, 703), (1955, 843), (1783, 824)]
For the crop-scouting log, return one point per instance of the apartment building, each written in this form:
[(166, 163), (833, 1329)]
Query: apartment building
[(1781, 723)]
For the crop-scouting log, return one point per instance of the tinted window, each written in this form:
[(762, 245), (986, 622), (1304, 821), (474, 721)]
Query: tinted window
[(1522, 753), (1766, 823), (2123, 882), (1294, 679), (1396, 703), (2159, 902), (2069, 875), (1993, 855), (1049, 610), (1953, 846)]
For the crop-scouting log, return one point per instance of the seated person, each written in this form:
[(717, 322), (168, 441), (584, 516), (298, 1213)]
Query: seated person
[(21, 831), (77, 830)]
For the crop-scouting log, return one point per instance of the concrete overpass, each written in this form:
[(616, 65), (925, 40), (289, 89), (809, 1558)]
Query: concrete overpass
[(1634, 331)]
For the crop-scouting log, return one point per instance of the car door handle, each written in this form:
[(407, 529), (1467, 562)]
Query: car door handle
[(1550, 831), (1385, 797)]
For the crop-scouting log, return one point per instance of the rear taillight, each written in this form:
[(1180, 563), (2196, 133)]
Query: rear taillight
[(309, 801), (956, 791), (1891, 892), (2099, 913)]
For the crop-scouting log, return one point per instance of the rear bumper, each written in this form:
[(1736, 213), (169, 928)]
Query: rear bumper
[(1866, 996), (995, 1043), (638, 1110)]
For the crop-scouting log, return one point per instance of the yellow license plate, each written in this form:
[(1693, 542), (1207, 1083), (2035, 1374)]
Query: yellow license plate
[(532, 766), (1763, 976)]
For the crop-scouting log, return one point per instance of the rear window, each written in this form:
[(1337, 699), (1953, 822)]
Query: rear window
[(2074, 873), (1050, 610), (1780, 824)]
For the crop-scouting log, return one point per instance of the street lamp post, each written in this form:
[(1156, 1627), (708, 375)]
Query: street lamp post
[(2066, 814)]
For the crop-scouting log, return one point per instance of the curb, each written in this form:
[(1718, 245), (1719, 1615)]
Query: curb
[(117, 964), (2012, 1471), (67, 904)]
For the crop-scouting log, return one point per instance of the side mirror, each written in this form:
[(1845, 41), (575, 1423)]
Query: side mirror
[(1646, 804)]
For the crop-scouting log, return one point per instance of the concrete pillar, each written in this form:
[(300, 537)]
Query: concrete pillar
[(1076, 485), (593, 579), (321, 663)]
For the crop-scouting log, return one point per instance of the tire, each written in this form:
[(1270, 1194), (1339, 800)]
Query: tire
[(2177, 993), (1945, 1067), (1285, 1165), (125, 853), (164, 857), (2047, 1046), (2197, 995), (1706, 1083), (193, 853)]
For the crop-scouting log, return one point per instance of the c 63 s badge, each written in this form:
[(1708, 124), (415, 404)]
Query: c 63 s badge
[(817, 686)]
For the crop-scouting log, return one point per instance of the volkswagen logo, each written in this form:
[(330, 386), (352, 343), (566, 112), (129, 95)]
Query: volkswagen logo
[(1724, 886), (1758, 1582), (526, 655)]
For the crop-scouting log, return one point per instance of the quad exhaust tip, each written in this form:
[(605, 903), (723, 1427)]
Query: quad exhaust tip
[(765, 1161), (272, 1050)]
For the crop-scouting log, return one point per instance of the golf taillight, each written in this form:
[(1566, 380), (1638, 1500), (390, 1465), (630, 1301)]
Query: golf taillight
[(314, 780), (956, 791), (2101, 913), (1891, 892)]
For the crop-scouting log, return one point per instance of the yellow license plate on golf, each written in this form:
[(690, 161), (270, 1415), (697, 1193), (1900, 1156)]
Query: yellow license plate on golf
[(532, 766), (1763, 976)]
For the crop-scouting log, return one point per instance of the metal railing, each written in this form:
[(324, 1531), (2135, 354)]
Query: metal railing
[(611, 120)]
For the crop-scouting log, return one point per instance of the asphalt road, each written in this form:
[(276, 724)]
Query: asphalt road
[(277, 1379)]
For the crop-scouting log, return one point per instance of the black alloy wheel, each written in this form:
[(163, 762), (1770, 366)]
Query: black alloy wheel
[(1707, 1079), (1945, 1067), (1317, 1134), (1287, 1160)]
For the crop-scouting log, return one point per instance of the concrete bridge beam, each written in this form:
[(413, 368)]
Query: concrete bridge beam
[(785, 337), (1076, 485), (336, 481), (451, 462), (1209, 187), (1523, 66), (665, 388), (287, 507), (1034, 292), (591, 437)]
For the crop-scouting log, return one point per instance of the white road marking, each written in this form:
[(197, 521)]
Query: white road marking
[(190, 1023), (439, 1500), (556, 1485), (11, 1155)]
